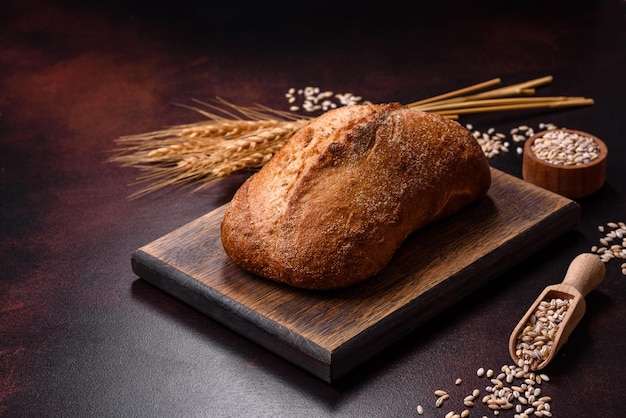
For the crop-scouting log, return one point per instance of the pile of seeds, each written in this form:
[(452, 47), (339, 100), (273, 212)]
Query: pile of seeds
[(536, 340), (613, 244), (313, 99), (566, 148), (516, 388), (525, 398), (494, 143)]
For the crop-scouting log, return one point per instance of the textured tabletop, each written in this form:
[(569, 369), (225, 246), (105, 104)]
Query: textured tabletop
[(82, 335)]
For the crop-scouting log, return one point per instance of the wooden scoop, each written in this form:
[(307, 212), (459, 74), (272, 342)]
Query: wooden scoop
[(584, 273)]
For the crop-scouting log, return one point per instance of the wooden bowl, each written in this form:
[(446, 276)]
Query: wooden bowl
[(572, 181)]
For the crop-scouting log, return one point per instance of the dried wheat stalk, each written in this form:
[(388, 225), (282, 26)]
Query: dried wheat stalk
[(245, 138), (214, 158), (236, 138)]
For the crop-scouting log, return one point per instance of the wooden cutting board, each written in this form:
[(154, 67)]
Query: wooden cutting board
[(328, 333)]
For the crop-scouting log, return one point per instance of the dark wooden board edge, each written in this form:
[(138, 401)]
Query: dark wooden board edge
[(397, 325), (233, 315), (332, 366)]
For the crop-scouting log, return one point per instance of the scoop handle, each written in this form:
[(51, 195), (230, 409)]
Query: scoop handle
[(585, 273)]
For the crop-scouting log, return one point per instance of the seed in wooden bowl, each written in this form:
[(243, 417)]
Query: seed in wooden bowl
[(570, 163), (565, 148)]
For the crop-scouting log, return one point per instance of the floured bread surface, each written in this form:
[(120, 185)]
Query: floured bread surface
[(335, 203)]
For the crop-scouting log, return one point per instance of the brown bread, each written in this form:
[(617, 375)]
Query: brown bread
[(335, 203)]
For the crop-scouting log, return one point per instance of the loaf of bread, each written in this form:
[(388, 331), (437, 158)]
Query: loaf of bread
[(335, 203)]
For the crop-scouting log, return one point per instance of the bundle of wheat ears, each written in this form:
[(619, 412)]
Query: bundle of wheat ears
[(237, 138)]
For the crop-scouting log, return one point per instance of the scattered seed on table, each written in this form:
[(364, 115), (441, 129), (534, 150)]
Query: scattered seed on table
[(313, 99), (609, 248), (441, 400)]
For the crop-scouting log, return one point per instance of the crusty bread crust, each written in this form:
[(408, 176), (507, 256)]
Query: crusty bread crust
[(335, 203)]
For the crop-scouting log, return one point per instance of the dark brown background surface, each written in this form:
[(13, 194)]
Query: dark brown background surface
[(80, 335)]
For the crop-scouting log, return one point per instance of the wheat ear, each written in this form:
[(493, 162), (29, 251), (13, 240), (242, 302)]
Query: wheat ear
[(246, 138)]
